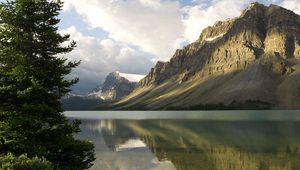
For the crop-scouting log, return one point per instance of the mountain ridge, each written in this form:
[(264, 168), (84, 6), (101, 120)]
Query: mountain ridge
[(254, 57), (114, 88)]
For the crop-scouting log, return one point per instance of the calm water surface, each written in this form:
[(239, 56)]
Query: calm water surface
[(226, 140)]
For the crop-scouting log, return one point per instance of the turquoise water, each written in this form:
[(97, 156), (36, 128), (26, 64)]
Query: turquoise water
[(212, 140)]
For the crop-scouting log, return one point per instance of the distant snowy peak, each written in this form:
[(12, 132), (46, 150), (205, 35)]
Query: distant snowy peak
[(95, 94), (90, 95), (118, 85), (132, 77)]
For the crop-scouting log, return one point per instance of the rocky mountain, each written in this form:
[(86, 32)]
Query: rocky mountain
[(86, 101), (252, 60), (116, 87)]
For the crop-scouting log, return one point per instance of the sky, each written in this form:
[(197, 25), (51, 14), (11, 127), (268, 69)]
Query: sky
[(130, 36)]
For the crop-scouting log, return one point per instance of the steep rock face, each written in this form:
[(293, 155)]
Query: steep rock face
[(116, 87), (232, 60), (154, 77), (235, 44)]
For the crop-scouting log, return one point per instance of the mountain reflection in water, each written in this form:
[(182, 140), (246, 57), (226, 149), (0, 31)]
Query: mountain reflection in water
[(194, 144)]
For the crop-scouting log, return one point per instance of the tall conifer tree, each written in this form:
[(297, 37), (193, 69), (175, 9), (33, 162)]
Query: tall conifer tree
[(32, 81)]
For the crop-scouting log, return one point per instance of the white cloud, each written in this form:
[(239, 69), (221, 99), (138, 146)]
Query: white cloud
[(151, 3), (198, 17), (100, 57), (139, 27), (293, 5), (132, 77), (152, 25), (67, 6), (206, 13), (160, 26)]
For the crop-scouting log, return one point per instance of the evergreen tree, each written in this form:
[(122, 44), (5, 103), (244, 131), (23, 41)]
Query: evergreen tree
[(32, 82)]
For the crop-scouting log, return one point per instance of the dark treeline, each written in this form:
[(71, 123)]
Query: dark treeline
[(34, 134)]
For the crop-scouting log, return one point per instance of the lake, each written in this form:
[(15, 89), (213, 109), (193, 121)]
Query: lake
[(192, 140)]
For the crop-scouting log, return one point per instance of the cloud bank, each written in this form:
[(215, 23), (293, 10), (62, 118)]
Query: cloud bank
[(102, 56), (153, 25), (143, 31)]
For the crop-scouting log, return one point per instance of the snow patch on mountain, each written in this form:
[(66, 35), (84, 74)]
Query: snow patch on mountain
[(132, 77), (214, 38)]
